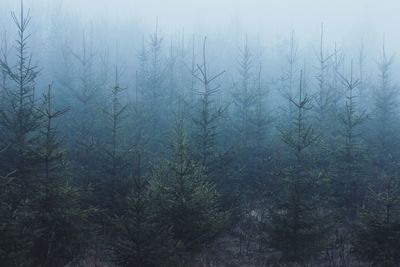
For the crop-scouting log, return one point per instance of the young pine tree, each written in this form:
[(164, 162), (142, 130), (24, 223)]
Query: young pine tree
[(209, 114), (19, 116), (42, 211), (186, 198), (19, 124), (140, 237), (113, 185), (291, 55), (153, 89), (244, 97), (384, 118), (4, 79), (60, 220), (15, 236), (250, 119), (377, 235), (350, 179), (85, 92), (297, 226), (324, 94)]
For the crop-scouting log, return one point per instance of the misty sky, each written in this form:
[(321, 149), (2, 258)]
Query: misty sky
[(342, 18), (346, 22)]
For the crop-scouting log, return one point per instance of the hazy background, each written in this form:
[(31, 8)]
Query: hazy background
[(342, 18), (267, 23)]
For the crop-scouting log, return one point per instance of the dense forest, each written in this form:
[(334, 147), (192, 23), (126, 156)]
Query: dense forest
[(176, 157)]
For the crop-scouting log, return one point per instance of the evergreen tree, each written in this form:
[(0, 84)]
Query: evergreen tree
[(262, 118), (154, 92), (250, 118), (323, 93), (297, 224), (206, 121), (19, 124), (14, 231), (244, 97), (59, 219), (84, 138), (140, 237), (19, 118), (185, 197), (113, 185), (384, 116), (43, 213), (377, 235), (287, 87), (350, 180), (324, 108), (337, 58), (4, 79)]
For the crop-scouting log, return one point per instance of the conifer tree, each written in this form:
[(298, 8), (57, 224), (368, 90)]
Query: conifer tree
[(297, 228), (350, 180), (377, 235), (152, 86), (4, 79), (291, 55), (113, 185), (244, 97), (43, 212), (140, 237), (19, 124), (384, 115), (261, 118), (85, 92), (323, 93), (19, 117), (249, 120), (244, 112), (185, 197), (337, 58), (209, 114), (60, 220), (379, 228), (14, 233)]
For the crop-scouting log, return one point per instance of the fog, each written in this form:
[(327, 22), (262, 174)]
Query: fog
[(269, 23), (161, 133), (342, 18)]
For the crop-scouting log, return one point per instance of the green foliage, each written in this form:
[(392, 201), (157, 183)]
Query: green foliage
[(298, 223), (13, 231), (42, 213), (175, 208), (185, 198), (377, 236), (349, 182), (59, 220), (206, 120), (140, 238), (378, 242), (297, 226), (61, 223), (19, 117), (112, 185)]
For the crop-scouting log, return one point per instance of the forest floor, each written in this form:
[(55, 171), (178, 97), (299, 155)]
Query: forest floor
[(232, 251), (225, 251), (229, 251)]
